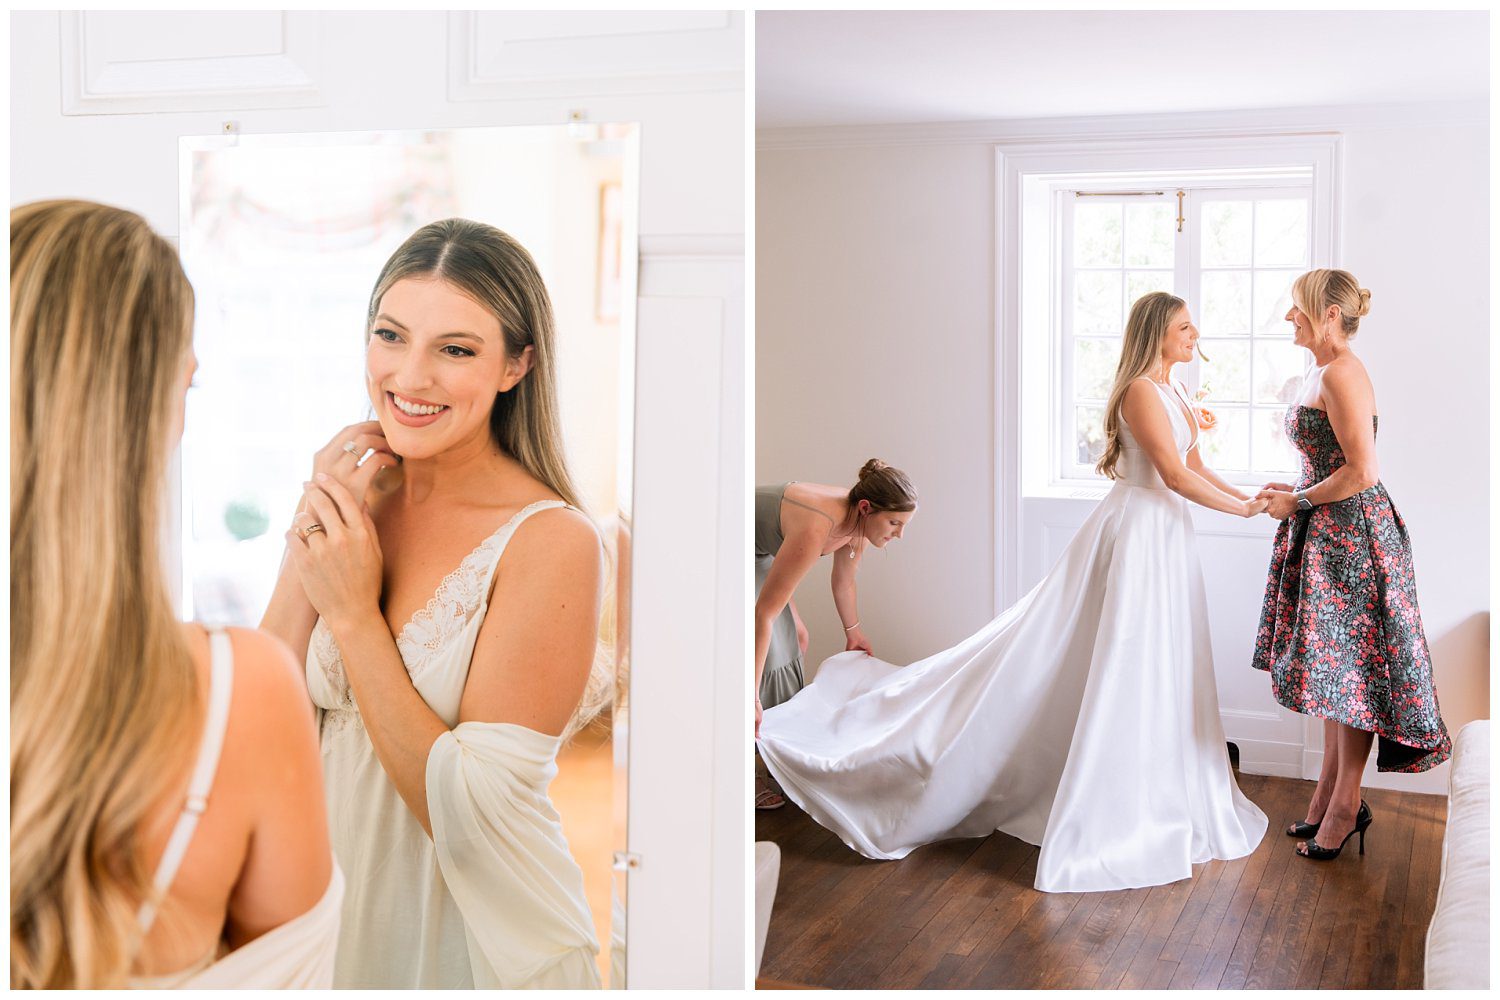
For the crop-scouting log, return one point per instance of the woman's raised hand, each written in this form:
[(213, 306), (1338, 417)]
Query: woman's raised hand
[(339, 559), (339, 460)]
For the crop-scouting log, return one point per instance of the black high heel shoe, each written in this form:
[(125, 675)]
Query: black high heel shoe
[(1302, 831), (1362, 821)]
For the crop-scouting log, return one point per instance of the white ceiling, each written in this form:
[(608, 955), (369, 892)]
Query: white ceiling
[(865, 68)]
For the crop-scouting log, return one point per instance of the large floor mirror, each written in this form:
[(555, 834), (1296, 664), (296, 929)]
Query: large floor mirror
[(282, 237)]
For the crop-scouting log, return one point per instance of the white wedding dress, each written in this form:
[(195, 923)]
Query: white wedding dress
[(1084, 719)]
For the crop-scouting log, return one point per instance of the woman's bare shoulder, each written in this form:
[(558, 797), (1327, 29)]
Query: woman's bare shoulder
[(806, 508), (1347, 377), (270, 692), (1138, 392), (564, 538)]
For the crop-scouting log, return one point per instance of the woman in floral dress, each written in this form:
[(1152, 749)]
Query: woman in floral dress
[(1340, 631)]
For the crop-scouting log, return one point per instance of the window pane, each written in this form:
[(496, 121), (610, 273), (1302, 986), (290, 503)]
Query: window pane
[(1226, 304), (1138, 283), (1096, 234), (1279, 367), (1227, 376), (1226, 448), (1273, 297), (1094, 363), (1148, 234), (1226, 234), (1274, 454), (1096, 303), (1281, 233), (1090, 434)]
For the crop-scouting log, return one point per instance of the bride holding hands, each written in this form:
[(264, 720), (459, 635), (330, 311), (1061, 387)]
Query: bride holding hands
[(1083, 719)]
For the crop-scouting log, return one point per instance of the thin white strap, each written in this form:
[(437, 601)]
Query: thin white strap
[(509, 528), (220, 686)]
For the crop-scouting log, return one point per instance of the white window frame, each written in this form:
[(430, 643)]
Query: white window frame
[(1192, 374), (1066, 472), (1025, 220)]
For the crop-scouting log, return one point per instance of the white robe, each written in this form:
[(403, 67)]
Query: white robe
[(493, 898)]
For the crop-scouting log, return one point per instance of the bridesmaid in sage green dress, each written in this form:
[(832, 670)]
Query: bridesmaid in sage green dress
[(795, 525)]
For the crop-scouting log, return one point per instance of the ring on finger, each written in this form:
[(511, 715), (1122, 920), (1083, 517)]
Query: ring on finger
[(352, 449), (311, 530)]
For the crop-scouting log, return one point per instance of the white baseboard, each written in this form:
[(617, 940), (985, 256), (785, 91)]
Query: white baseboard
[(1433, 782), (1290, 760), (1284, 760)]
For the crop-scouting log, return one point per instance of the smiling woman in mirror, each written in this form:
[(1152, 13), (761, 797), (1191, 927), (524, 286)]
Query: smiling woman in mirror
[(449, 602)]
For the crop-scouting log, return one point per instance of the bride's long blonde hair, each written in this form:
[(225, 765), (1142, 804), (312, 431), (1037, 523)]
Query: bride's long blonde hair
[(103, 692), (1140, 354)]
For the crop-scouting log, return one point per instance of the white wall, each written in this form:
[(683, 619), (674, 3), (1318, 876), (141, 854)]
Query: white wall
[(134, 86), (874, 336), (874, 331)]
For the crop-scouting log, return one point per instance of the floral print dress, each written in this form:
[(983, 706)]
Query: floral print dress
[(1340, 631)]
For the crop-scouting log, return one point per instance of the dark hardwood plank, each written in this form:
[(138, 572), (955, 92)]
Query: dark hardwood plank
[(1009, 907), (1249, 911), (917, 879), (969, 892), (1287, 927), (1162, 903), (1028, 943), (1421, 887), (1070, 945), (1372, 958), (966, 913), (1192, 953), (1106, 928), (1151, 968)]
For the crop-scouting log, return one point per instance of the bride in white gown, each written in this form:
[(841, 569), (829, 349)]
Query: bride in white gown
[(1083, 719)]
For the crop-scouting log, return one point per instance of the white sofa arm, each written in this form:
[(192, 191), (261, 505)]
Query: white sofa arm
[(767, 872), (1458, 939)]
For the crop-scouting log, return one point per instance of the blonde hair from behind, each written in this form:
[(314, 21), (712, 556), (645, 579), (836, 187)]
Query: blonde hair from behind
[(496, 271), (1140, 354), (103, 690), (1314, 292)]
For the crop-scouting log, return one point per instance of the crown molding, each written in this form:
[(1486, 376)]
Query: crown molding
[(1268, 121)]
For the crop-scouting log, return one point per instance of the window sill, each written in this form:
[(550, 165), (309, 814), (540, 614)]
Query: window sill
[(1080, 489)]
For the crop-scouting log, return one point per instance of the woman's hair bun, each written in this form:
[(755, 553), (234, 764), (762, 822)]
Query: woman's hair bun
[(1364, 301), (871, 467)]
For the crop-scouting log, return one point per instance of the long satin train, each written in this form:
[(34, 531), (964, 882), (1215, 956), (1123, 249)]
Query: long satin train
[(1083, 719)]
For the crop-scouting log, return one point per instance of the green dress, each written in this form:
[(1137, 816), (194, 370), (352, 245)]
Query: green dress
[(783, 674)]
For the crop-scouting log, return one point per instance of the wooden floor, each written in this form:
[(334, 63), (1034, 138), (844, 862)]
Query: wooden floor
[(582, 795), (965, 914)]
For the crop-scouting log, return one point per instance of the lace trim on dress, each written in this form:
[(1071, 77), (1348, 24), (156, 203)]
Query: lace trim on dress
[(453, 605), (447, 612), (332, 662)]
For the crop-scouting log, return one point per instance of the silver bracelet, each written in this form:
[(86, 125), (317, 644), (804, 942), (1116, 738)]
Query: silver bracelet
[(851, 628)]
